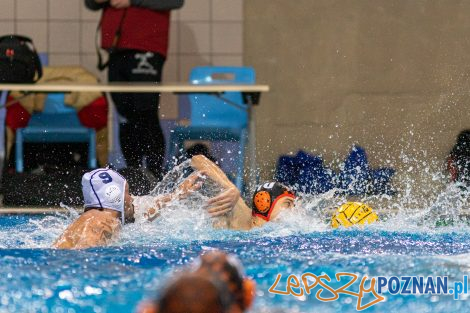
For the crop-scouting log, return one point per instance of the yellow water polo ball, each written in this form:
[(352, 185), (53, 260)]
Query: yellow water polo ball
[(353, 213)]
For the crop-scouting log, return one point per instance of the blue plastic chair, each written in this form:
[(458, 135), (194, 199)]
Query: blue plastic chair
[(221, 117), (56, 123)]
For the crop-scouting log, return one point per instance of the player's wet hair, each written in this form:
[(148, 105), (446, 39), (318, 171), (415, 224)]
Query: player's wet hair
[(192, 293)]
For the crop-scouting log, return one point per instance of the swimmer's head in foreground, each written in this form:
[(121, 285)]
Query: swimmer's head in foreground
[(270, 199), (189, 293), (216, 283), (105, 189), (237, 289)]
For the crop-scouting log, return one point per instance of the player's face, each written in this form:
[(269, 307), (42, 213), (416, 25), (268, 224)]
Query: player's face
[(128, 206), (285, 203)]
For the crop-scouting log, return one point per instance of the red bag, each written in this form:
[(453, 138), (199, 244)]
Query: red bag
[(95, 115), (17, 116)]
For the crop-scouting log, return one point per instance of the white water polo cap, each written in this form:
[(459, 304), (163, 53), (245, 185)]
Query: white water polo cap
[(104, 188)]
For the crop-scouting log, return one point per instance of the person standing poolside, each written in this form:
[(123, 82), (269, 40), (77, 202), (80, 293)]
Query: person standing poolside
[(135, 33), (108, 206)]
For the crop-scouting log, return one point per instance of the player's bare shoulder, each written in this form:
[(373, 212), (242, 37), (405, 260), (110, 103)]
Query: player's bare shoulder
[(92, 228)]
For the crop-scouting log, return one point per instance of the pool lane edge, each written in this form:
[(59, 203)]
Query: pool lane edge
[(35, 210)]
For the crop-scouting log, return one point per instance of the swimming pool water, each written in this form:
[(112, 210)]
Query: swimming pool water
[(34, 278)]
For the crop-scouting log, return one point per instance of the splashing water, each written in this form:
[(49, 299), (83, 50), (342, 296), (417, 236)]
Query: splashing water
[(415, 208), (421, 232)]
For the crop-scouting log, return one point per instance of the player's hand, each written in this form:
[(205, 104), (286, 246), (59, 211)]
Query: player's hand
[(224, 202), (120, 4), (190, 185)]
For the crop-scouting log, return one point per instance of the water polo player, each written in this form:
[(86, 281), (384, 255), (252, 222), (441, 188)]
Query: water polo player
[(108, 205), (216, 282), (227, 272), (268, 201)]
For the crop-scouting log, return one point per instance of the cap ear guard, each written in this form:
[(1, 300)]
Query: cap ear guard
[(262, 201), (266, 196)]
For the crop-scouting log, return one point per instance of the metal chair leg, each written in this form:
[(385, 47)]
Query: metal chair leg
[(92, 149), (19, 151)]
